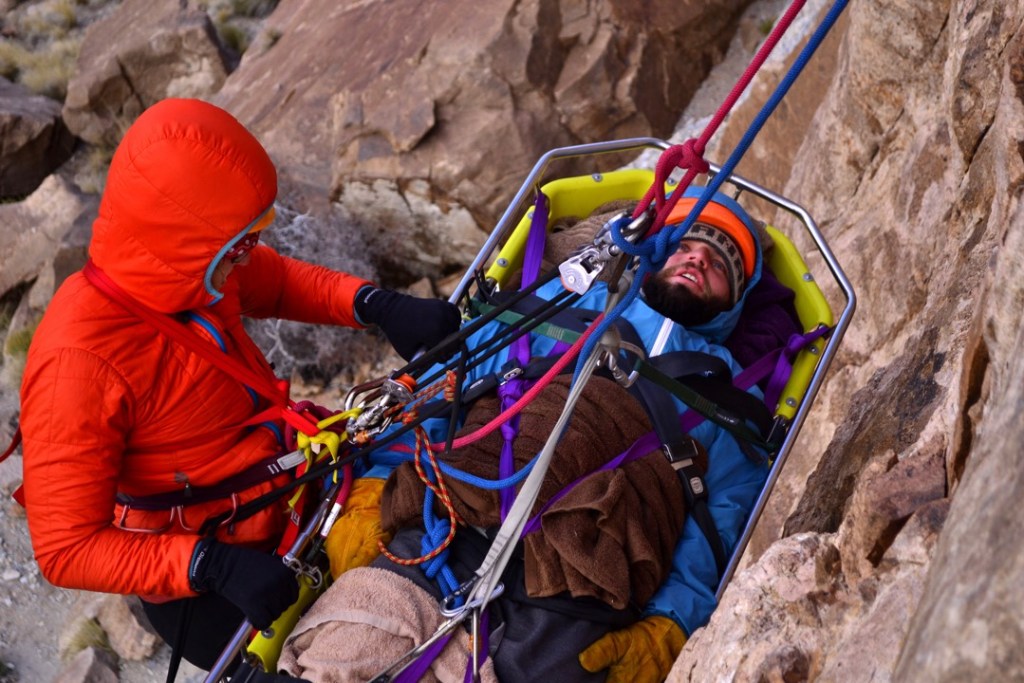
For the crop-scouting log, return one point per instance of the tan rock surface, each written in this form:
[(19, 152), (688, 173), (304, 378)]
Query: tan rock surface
[(430, 130), (891, 547), (33, 139), (912, 166), (145, 51)]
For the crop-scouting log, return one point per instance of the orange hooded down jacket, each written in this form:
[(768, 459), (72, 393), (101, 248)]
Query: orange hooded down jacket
[(111, 405)]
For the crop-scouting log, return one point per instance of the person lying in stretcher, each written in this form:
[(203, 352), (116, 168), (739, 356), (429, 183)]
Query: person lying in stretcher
[(615, 574)]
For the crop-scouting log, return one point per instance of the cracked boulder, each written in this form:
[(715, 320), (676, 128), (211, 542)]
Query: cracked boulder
[(422, 119), (143, 52), (33, 139)]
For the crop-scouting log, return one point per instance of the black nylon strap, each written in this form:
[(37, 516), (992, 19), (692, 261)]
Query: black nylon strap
[(733, 422), (680, 448), (681, 452), (695, 492), (264, 470), (710, 377)]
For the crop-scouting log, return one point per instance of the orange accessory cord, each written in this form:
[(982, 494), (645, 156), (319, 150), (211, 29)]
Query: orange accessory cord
[(441, 490)]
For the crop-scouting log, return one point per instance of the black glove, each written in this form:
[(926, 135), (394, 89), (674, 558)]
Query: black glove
[(257, 583), (411, 324)]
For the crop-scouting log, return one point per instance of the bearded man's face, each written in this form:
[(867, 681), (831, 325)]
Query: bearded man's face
[(693, 286)]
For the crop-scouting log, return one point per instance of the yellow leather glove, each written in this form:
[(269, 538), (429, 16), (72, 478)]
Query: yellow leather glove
[(352, 541), (641, 653)]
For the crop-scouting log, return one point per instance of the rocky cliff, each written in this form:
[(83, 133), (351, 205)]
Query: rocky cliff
[(890, 548)]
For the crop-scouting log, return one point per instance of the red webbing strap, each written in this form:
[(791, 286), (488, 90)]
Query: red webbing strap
[(275, 391), (15, 440), (690, 154), (19, 493)]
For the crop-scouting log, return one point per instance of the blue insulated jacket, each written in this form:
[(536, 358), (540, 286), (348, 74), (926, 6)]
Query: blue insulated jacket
[(733, 480)]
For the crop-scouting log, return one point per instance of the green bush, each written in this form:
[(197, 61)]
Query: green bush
[(233, 37), (18, 341), (48, 20)]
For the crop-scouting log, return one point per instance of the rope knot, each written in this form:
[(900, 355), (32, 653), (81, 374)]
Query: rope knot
[(449, 386), (692, 158)]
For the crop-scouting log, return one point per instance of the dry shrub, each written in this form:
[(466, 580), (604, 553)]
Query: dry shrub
[(47, 21)]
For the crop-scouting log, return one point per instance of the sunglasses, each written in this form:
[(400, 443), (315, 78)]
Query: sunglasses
[(238, 252)]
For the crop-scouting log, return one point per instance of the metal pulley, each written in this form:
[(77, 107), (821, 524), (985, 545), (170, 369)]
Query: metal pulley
[(579, 271)]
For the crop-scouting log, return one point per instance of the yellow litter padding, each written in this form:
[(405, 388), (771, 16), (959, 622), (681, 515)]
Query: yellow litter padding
[(576, 197), (789, 267), (579, 196), (265, 648)]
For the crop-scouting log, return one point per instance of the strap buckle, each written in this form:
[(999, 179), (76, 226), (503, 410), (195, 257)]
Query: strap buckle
[(509, 371), (682, 456)]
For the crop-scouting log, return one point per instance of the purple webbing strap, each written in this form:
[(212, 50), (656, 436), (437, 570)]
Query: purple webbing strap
[(509, 392), (639, 448), (414, 672), (780, 359), (512, 390), (784, 366)]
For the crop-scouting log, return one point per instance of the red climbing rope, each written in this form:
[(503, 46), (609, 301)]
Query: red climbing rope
[(528, 396), (690, 154)]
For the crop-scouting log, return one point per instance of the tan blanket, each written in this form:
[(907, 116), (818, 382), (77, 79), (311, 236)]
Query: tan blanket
[(612, 536), (367, 620)]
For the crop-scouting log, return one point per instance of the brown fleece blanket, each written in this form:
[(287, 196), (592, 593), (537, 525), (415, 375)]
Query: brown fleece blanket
[(612, 536)]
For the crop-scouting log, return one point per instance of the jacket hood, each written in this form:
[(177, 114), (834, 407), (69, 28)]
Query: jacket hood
[(718, 329), (185, 184)]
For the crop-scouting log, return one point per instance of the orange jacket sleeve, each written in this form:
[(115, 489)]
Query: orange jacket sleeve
[(275, 286), (76, 411)]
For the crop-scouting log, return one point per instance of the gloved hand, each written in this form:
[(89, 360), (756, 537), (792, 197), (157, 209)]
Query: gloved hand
[(409, 323), (256, 582), (641, 653), (352, 541)]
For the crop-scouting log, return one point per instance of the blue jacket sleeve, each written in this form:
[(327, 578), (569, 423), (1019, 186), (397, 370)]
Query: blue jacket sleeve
[(734, 482)]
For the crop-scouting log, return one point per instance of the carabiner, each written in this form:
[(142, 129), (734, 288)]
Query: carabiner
[(470, 605), (410, 657)]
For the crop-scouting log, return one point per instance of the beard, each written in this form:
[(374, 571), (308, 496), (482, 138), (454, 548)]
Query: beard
[(677, 303)]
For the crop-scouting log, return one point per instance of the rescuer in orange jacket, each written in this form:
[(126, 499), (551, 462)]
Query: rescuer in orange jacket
[(112, 410)]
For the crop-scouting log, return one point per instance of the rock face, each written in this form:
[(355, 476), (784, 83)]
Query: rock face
[(900, 547), (891, 548), (44, 239), (318, 353), (145, 51), (422, 119), (35, 140)]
